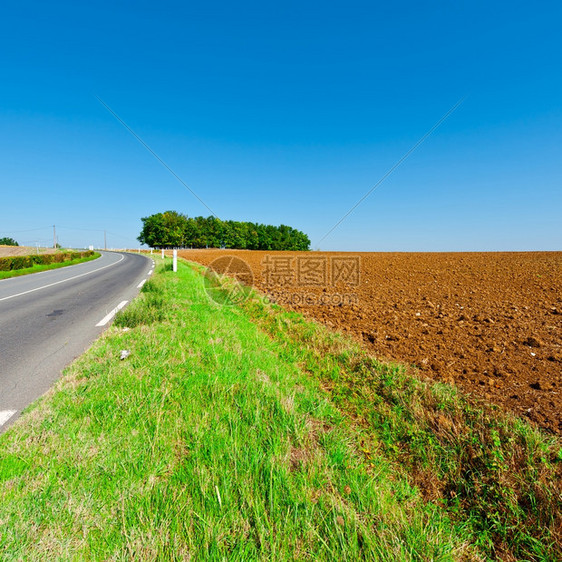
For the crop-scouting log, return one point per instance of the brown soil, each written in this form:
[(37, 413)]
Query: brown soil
[(9, 251), (490, 323)]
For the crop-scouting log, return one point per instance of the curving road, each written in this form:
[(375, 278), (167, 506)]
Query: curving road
[(48, 319)]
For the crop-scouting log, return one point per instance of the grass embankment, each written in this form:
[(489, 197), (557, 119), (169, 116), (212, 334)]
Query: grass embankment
[(81, 257), (247, 433), (495, 473)]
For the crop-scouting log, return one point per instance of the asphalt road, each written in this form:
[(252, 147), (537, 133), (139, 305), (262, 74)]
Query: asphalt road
[(48, 319)]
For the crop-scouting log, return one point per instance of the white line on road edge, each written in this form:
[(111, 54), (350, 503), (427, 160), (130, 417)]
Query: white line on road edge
[(141, 283), (5, 415), (109, 316), (62, 281)]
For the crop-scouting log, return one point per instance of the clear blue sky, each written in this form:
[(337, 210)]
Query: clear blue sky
[(287, 114)]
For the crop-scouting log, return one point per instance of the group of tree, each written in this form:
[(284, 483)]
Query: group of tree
[(175, 230), (6, 241)]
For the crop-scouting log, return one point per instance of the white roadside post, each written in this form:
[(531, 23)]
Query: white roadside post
[(175, 264), (162, 253)]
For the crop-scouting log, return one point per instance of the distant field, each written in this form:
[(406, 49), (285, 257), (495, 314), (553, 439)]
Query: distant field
[(22, 261), (488, 322), (8, 251)]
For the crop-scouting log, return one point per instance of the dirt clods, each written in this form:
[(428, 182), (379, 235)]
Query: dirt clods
[(489, 323)]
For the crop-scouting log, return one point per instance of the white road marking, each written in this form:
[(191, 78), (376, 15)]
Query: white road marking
[(62, 281), (141, 283), (109, 316), (5, 415)]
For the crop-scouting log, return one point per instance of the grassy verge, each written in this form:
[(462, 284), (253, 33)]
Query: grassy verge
[(488, 470), (43, 267), (211, 441)]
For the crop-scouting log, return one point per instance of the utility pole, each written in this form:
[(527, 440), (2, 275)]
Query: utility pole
[(104, 240), (54, 237)]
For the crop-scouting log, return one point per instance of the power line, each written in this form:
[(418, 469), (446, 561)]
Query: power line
[(83, 229), (420, 141), (30, 229), (155, 155)]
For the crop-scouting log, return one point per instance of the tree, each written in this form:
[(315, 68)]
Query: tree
[(164, 230), (6, 241), (172, 229)]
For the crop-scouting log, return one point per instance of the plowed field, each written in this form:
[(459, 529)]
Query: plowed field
[(9, 251), (490, 323)]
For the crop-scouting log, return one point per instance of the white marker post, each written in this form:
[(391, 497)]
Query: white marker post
[(175, 264), (162, 253)]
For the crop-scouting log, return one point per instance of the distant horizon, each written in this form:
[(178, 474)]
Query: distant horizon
[(145, 249), (137, 246)]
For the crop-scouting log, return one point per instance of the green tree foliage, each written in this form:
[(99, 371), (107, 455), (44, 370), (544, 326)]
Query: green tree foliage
[(172, 229), (6, 241), (164, 230)]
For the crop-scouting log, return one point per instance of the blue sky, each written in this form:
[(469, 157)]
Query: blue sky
[(285, 114)]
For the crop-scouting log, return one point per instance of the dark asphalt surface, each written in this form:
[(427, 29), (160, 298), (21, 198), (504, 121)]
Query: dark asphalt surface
[(48, 319)]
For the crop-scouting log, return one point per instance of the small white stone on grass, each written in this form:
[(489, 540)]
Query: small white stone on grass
[(124, 354)]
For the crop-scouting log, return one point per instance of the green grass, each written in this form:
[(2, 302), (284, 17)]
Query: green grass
[(209, 442), (249, 433), (495, 473), (43, 267)]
